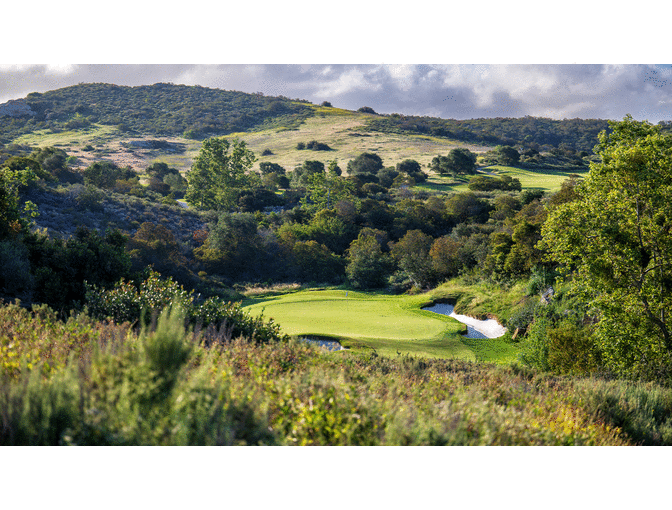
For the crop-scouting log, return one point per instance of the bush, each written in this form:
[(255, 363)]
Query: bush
[(128, 303), (139, 391), (15, 277)]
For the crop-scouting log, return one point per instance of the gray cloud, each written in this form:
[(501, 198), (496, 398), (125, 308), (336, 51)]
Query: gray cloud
[(449, 91)]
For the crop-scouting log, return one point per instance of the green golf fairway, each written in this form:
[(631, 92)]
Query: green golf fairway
[(391, 325)]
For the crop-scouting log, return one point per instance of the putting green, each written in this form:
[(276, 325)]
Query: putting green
[(391, 325)]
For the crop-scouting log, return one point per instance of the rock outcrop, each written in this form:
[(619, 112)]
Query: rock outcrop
[(15, 108)]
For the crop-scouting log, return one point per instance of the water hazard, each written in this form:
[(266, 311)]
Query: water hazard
[(330, 345), (476, 328)]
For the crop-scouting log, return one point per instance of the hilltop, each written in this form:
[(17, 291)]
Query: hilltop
[(138, 125)]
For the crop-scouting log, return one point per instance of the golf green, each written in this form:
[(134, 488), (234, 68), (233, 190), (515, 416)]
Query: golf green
[(391, 325)]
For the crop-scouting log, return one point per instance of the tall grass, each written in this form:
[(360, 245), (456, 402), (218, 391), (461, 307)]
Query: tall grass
[(162, 386)]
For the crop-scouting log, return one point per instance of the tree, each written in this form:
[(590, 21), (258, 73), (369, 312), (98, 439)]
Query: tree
[(219, 174), (13, 217), (615, 240), (325, 190), (412, 169), (104, 174), (506, 155), (160, 169), (365, 163), (52, 159), (412, 255), (301, 174), (444, 255), (461, 161), (458, 161), (368, 266), (316, 262), (266, 167), (367, 109), (233, 246)]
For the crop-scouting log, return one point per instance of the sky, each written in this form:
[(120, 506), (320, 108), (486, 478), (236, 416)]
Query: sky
[(460, 91), (499, 50)]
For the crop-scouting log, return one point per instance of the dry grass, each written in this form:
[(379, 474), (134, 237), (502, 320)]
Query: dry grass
[(344, 131), (278, 288)]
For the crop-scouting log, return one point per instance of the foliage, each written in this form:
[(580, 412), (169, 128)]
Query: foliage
[(324, 190), (104, 174), (368, 266), (317, 263), (266, 167), (61, 267), (366, 109), (411, 253), (365, 163), (219, 174), (504, 183), (506, 155), (458, 161), (615, 240), (160, 109), (233, 246), (412, 169), (14, 218), (84, 383), (302, 173), (127, 302), (534, 132)]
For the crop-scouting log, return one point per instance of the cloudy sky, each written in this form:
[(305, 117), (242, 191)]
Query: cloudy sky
[(442, 90), (524, 32)]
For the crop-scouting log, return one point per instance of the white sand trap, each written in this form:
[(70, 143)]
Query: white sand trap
[(489, 328)]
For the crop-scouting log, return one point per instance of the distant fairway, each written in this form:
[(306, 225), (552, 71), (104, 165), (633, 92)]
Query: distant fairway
[(546, 179), (391, 325)]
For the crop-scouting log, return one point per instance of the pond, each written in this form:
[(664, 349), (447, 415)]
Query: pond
[(330, 345), (476, 328)]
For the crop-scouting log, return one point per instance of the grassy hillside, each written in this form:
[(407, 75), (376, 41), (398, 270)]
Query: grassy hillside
[(343, 131), (101, 121)]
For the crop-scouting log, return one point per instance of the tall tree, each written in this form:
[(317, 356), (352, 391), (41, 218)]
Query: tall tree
[(368, 266), (219, 174), (616, 238), (412, 255)]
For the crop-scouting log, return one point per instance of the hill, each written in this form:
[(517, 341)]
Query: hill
[(159, 110), (100, 116)]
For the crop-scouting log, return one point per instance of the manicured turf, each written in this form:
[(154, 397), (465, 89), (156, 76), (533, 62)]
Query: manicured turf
[(392, 325), (546, 179)]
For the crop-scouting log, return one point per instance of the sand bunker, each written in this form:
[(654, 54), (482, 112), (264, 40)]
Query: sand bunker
[(476, 328)]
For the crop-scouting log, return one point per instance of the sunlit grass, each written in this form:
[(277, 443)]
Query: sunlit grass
[(47, 138), (392, 325), (547, 179)]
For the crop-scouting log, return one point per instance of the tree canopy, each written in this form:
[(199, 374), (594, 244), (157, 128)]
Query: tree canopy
[(614, 238), (365, 163), (220, 174), (458, 161)]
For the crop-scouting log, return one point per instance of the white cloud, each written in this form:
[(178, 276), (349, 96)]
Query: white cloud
[(445, 90)]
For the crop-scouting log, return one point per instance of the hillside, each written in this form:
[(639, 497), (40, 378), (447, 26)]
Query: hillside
[(102, 121), (161, 109)]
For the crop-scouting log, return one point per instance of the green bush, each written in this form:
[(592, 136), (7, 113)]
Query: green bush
[(127, 302), (138, 392)]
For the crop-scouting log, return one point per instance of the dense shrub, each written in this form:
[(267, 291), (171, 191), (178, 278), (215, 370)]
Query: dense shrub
[(127, 302)]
